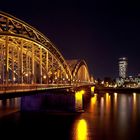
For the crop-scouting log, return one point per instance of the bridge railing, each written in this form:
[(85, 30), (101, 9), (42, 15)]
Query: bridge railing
[(29, 87)]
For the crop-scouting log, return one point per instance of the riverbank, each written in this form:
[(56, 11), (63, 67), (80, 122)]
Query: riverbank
[(118, 90)]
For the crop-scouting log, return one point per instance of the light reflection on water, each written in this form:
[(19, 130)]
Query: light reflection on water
[(108, 116), (111, 116), (81, 131), (8, 106)]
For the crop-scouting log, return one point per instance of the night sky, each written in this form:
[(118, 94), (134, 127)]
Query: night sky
[(98, 31)]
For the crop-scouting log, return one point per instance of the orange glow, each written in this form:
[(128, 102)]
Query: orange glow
[(93, 102), (107, 102), (81, 131)]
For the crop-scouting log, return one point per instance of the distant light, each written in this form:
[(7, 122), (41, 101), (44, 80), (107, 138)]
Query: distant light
[(44, 76), (14, 79)]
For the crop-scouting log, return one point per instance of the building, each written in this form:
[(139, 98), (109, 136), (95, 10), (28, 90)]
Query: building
[(126, 81), (123, 62)]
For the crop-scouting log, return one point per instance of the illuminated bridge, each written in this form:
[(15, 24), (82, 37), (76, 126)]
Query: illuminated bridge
[(28, 59)]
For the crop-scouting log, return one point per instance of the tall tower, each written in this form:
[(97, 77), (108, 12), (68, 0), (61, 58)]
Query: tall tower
[(123, 62)]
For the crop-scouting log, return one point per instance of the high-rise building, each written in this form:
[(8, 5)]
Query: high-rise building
[(123, 62)]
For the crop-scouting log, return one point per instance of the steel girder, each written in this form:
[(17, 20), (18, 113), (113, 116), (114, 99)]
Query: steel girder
[(27, 56), (81, 72)]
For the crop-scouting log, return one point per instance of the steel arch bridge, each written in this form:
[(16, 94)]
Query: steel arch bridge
[(79, 71), (27, 56)]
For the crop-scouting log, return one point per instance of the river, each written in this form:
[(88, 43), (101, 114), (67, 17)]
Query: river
[(106, 117)]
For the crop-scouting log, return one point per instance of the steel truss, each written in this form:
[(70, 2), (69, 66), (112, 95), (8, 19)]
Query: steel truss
[(27, 56)]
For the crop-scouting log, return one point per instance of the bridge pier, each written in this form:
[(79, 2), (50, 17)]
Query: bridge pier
[(53, 101)]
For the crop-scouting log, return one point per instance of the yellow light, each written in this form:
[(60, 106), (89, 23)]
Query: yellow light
[(93, 100), (81, 130), (78, 95), (78, 101), (82, 91), (92, 89)]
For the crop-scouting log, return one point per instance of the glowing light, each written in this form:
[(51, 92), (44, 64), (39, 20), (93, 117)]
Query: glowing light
[(93, 99), (82, 91), (102, 82), (81, 133), (93, 103), (44, 77), (134, 94), (115, 101), (92, 89), (26, 74), (78, 101), (134, 107), (14, 79), (78, 95), (107, 102), (115, 95)]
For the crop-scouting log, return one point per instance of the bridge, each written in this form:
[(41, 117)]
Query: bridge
[(29, 61), (29, 58)]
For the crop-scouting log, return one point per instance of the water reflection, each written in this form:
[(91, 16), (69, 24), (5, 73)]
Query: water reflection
[(110, 116), (134, 108), (107, 99), (102, 108), (81, 130), (93, 102), (115, 103), (8, 106), (78, 100)]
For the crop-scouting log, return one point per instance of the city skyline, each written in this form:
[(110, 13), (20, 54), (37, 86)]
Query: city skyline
[(99, 33)]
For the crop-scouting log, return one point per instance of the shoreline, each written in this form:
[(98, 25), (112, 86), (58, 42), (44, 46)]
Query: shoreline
[(118, 90)]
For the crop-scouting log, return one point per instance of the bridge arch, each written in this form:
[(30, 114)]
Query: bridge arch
[(79, 70), (27, 56)]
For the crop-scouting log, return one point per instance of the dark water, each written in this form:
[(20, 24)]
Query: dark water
[(106, 117)]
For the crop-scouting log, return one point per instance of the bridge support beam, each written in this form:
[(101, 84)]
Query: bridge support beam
[(7, 60)]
